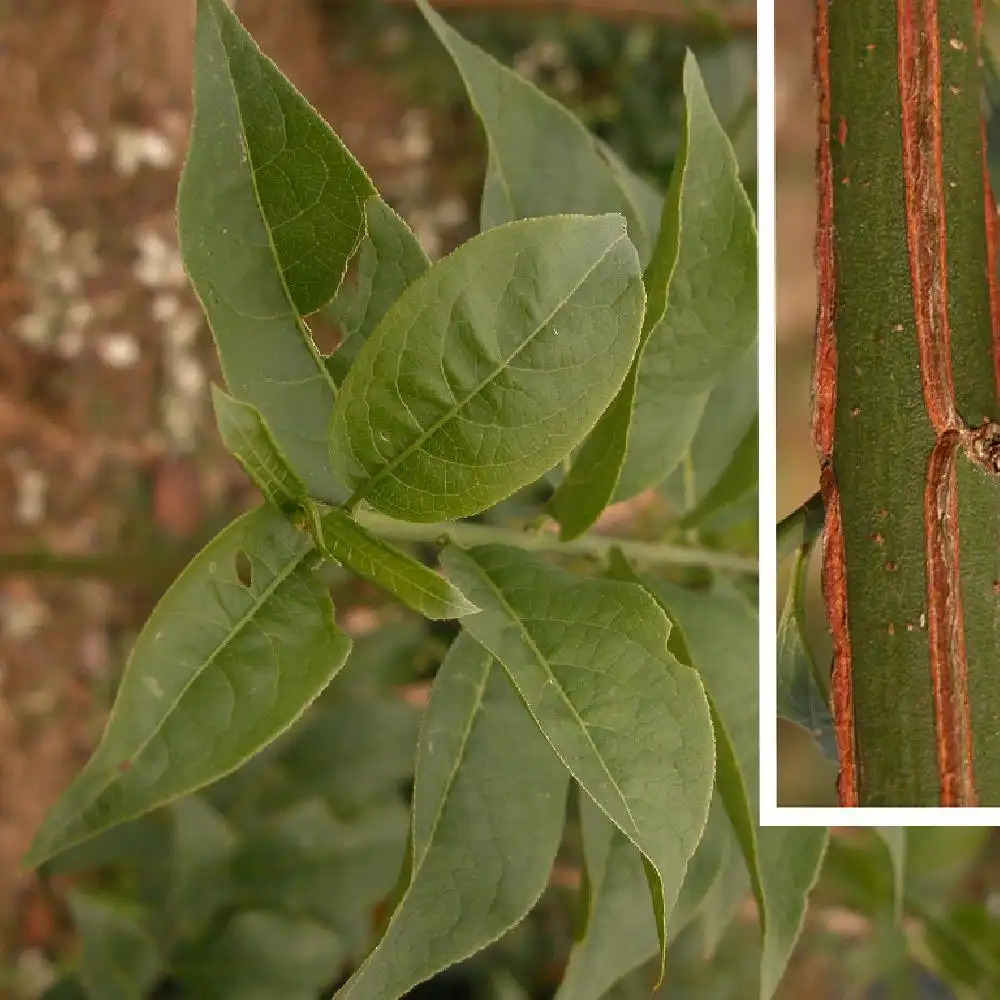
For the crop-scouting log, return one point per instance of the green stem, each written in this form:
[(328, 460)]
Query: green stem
[(907, 363), (650, 554), (130, 565)]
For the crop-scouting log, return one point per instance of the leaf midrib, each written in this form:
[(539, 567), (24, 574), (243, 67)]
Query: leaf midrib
[(238, 627), (516, 618), (287, 488), (299, 322), (654, 323), (381, 557), (418, 863), (455, 409), (459, 757)]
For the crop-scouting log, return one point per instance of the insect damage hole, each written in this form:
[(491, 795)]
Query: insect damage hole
[(244, 569)]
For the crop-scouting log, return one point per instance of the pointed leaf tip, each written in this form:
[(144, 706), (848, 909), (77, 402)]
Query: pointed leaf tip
[(270, 210), (197, 700), (489, 804), (630, 723), (250, 441)]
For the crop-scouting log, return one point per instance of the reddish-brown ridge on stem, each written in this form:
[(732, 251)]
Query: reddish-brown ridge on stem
[(992, 229), (919, 59), (825, 362), (824, 414), (841, 682), (944, 626)]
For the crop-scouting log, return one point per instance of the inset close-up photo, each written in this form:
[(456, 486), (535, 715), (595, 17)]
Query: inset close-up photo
[(888, 442)]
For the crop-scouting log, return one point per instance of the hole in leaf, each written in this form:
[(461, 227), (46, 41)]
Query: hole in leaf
[(243, 568), (446, 629)]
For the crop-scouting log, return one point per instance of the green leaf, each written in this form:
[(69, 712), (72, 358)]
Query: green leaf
[(374, 559), (490, 368), (722, 901), (708, 865), (663, 426), (737, 481), (270, 211), (591, 481), (308, 862), (790, 860), (353, 753), (894, 838), (390, 259), (590, 660), (701, 316), (702, 279), (647, 200), (621, 929), (717, 633), (702, 288), (200, 885), (220, 669), (259, 955), (620, 933), (800, 698), (249, 440), (120, 959), (488, 811), (735, 791), (542, 161), (730, 409), (653, 420), (732, 727)]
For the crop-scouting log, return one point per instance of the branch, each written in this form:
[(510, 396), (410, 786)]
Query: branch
[(125, 564), (652, 554)]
